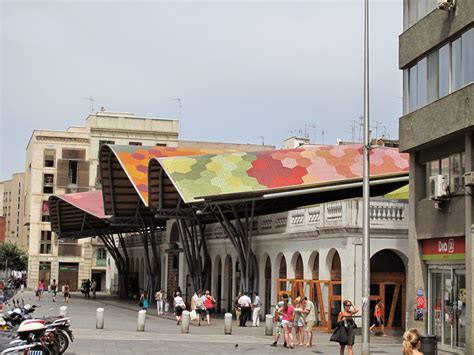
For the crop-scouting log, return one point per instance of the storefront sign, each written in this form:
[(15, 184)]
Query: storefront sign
[(444, 249)]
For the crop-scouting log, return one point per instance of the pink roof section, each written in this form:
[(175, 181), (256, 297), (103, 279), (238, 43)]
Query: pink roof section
[(90, 202)]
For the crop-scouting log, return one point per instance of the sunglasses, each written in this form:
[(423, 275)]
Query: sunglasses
[(347, 305)]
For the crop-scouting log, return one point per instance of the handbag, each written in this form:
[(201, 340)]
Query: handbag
[(193, 314), (340, 335), (140, 304)]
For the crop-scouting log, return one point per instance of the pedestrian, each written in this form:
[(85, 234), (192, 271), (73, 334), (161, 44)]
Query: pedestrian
[(347, 321), (144, 303), (179, 307), (94, 288), (238, 310), (159, 301), (87, 288), (199, 307), (378, 317), (40, 290), (278, 326), (209, 302), (245, 304), (299, 322), (178, 290), (54, 289), (287, 318), (66, 292), (256, 305), (411, 342), (309, 313)]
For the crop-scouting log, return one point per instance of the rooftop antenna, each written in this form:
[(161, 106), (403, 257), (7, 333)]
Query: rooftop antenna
[(179, 107), (322, 134), (377, 125), (313, 126), (263, 139), (353, 130), (91, 99)]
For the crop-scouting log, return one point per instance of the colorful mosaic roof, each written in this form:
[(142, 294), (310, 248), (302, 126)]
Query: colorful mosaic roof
[(134, 161), (238, 172), (90, 202)]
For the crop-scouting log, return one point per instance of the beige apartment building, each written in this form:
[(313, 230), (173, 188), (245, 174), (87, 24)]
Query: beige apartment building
[(13, 209), (59, 162)]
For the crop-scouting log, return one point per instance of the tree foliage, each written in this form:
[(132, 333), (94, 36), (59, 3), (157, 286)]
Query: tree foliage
[(13, 256)]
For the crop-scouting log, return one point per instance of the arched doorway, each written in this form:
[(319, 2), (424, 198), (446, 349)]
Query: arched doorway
[(268, 285), (217, 267), (172, 277), (316, 267), (299, 272), (228, 283), (335, 288), (387, 282), (282, 274)]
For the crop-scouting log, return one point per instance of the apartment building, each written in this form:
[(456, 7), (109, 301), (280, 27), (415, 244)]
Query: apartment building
[(437, 58), (59, 162), (13, 210)]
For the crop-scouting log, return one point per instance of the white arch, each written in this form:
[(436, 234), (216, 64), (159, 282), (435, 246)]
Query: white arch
[(293, 263), (397, 252), (310, 265)]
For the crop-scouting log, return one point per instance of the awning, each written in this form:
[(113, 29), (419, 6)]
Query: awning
[(399, 194)]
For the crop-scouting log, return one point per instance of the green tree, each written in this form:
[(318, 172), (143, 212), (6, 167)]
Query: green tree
[(13, 256)]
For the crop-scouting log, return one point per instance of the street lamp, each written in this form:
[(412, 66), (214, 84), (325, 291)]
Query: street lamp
[(366, 196)]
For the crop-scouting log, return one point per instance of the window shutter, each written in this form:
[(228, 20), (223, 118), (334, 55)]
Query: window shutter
[(74, 154), (62, 173), (83, 174)]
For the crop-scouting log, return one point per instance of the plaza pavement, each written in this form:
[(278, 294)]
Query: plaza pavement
[(163, 336)]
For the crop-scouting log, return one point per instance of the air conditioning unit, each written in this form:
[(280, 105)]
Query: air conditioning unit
[(469, 179), (438, 186), (447, 5)]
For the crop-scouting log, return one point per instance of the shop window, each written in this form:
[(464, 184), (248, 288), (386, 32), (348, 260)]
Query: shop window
[(45, 212), (45, 246), (49, 158), (48, 183)]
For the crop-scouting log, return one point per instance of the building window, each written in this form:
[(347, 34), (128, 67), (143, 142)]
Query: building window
[(135, 143), (101, 257), (468, 57), (415, 10), (45, 246), (444, 65), (48, 183), (453, 167), (160, 144), (45, 212), (72, 172), (442, 72), (49, 158)]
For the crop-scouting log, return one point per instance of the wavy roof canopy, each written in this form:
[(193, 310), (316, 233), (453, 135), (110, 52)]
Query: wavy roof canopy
[(78, 215), (219, 176), (124, 175)]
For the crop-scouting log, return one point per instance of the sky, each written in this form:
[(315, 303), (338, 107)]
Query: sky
[(243, 69)]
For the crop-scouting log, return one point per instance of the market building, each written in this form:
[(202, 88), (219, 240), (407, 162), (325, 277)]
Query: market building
[(437, 59)]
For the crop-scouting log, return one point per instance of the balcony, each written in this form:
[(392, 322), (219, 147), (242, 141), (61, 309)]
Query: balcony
[(384, 214)]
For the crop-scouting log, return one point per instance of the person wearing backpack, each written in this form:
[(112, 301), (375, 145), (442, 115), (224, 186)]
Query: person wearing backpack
[(209, 303)]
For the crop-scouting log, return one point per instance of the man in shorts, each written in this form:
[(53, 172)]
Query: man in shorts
[(277, 320), (310, 318)]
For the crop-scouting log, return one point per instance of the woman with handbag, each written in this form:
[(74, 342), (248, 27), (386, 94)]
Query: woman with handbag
[(209, 303), (179, 307), (345, 320), (159, 296)]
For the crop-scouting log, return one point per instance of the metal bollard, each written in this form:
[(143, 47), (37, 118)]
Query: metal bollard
[(63, 311), (228, 323), (141, 320), (99, 321), (269, 324), (185, 318)]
